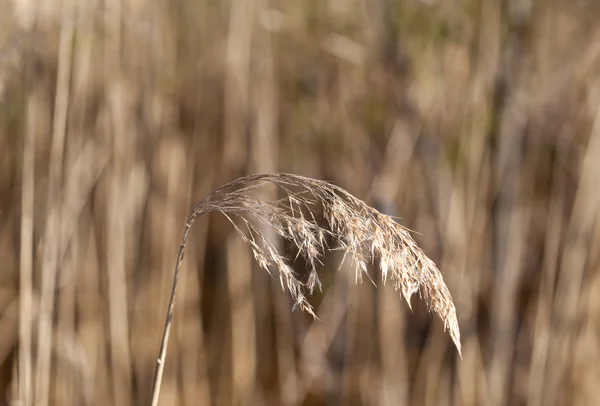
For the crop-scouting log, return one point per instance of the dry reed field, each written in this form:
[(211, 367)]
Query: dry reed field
[(450, 147)]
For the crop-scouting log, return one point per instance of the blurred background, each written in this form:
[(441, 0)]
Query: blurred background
[(476, 122)]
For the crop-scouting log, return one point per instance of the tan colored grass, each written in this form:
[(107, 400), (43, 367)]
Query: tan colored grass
[(361, 232)]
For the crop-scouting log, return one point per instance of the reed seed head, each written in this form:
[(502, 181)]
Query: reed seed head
[(363, 234)]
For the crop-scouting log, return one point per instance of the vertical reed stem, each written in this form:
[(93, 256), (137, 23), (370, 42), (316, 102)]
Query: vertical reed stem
[(160, 362)]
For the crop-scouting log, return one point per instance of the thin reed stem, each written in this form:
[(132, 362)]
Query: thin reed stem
[(160, 363)]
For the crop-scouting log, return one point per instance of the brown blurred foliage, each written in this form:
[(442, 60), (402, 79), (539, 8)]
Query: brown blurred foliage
[(476, 122)]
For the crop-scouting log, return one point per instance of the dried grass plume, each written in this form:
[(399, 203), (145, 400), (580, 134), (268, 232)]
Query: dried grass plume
[(364, 235)]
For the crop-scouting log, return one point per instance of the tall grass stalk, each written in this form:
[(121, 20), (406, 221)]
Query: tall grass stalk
[(350, 225)]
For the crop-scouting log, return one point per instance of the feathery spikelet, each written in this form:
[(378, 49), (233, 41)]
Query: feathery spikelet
[(362, 232)]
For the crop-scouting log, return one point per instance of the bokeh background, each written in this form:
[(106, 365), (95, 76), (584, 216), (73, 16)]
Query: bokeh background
[(476, 122)]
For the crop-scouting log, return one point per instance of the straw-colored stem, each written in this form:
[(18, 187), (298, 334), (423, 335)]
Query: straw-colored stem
[(26, 263), (52, 243), (160, 362)]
